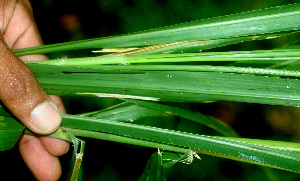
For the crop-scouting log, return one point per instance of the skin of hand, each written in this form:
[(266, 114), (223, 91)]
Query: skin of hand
[(21, 93)]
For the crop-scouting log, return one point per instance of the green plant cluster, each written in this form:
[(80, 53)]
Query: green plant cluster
[(155, 78)]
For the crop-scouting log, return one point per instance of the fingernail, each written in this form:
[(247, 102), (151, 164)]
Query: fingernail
[(45, 117)]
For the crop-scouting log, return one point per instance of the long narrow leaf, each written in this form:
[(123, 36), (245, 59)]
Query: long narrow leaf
[(265, 21), (222, 147), (190, 115), (252, 151), (168, 85), (191, 46), (129, 113), (259, 56)]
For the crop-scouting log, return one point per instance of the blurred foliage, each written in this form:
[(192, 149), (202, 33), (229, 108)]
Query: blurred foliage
[(69, 20)]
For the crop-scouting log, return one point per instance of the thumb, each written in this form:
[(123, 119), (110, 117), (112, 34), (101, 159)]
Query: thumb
[(22, 94)]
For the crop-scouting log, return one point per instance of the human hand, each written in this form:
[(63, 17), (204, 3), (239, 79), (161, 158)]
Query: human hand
[(22, 94)]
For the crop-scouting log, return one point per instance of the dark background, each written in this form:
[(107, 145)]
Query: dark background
[(68, 20)]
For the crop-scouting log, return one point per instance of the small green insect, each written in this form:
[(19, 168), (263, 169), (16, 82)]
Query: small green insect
[(188, 157)]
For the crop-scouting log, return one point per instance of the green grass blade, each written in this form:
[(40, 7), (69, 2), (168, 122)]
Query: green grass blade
[(262, 152), (94, 113), (265, 21), (258, 56), (194, 46), (222, 147), (168, 85), (136, 110), (129, 113), (190, 115)]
